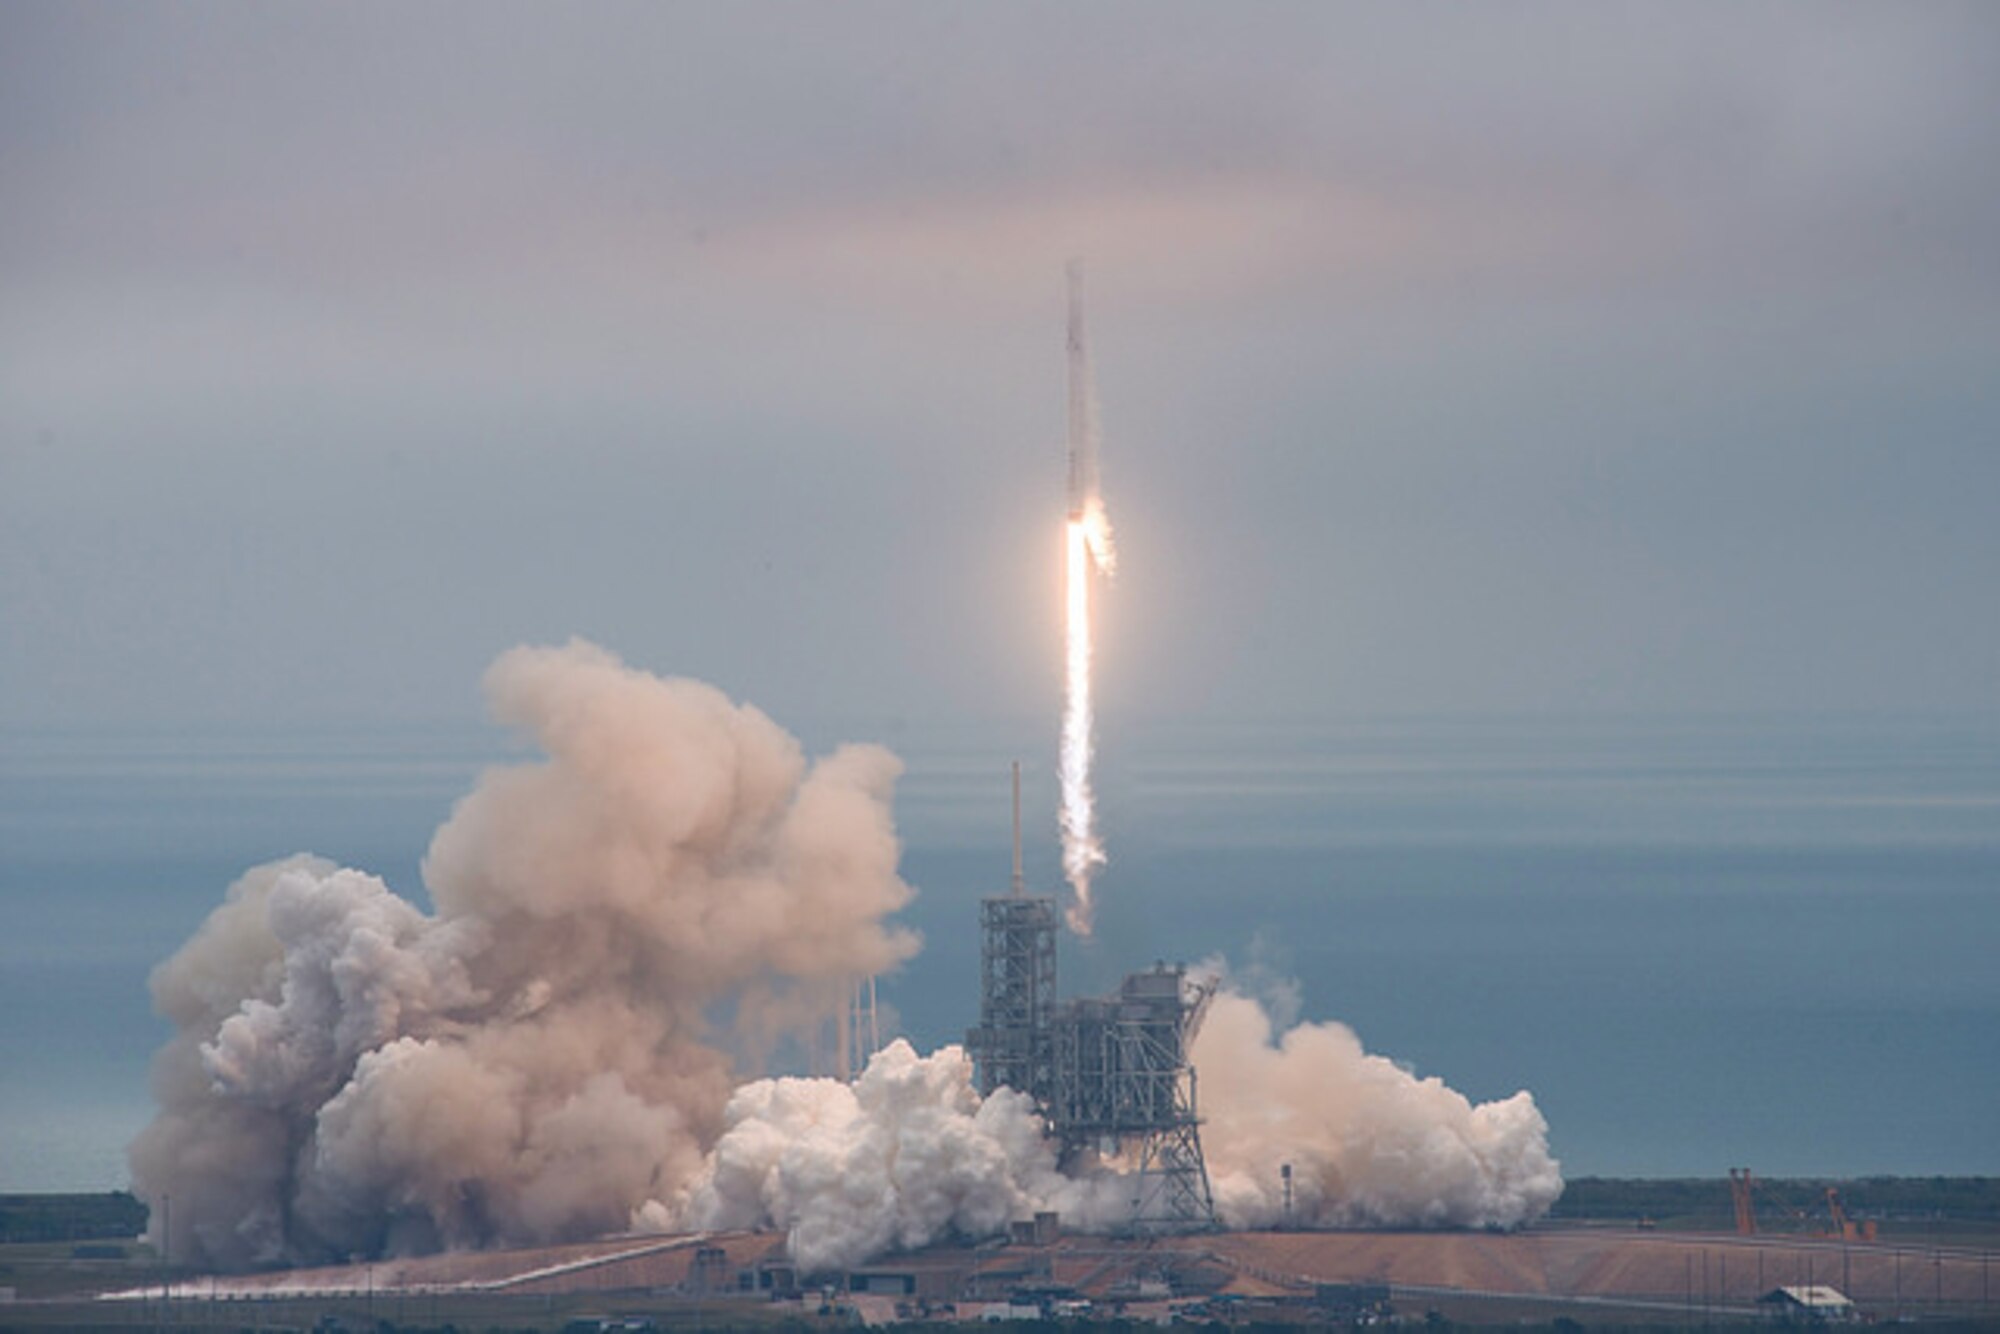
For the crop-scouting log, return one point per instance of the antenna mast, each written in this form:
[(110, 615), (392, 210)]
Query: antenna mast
[(1020, 885)]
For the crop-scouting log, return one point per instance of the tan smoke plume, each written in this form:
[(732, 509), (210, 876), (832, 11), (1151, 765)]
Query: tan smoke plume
[(350, 1074), (534, 1062)]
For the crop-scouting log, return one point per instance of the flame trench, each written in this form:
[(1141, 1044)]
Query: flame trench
[(1089, 549)]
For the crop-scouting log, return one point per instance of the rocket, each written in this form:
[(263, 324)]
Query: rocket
[(1082, 406), (1086, 547)]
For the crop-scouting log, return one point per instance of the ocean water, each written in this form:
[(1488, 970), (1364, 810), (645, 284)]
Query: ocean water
[(1700, 942)]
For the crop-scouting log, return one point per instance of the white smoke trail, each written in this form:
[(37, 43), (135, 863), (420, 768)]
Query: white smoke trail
[(1088, 549), (1082, 853)]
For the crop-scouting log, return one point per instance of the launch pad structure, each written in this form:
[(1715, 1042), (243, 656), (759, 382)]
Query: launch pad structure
[(1110, 1075), (1015, 1044)]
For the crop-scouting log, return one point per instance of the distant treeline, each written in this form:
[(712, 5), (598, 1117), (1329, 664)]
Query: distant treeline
[(1707, 1199), (112, 1215), (1701, 1201)]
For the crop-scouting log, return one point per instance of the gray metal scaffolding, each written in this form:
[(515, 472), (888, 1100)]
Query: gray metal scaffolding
[(1110, 1075), (1013, 1046), (1124, 1081)]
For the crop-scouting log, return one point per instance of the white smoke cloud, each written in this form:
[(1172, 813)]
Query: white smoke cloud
[(907, 1155), (1369, 1143), (910, 1155), (357, 967), (534, 1062)]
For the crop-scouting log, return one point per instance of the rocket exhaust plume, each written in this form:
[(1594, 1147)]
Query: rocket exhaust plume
[(537, 1060), (542, 1057), (1088, 549)]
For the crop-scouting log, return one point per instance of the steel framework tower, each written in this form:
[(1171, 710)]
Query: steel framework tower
[(1123, 1078), (1110, 1075), (1014, 1045)]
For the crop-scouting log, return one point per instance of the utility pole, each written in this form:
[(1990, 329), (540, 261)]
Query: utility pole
[(166, 1261)]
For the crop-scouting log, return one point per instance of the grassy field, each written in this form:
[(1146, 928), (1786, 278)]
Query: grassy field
[(36, 1270), (103, 1216), (1923, 1210)]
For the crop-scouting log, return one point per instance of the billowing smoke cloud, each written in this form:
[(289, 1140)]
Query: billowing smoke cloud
[(910, 1154), (350, 1074), (1369, 1143), (534, 1061)]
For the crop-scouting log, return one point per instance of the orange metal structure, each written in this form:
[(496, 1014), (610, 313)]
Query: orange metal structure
[(1844, 1227), (1740, 1182)]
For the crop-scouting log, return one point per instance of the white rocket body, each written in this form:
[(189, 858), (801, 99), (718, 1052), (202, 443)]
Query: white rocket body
[(1083, 480)]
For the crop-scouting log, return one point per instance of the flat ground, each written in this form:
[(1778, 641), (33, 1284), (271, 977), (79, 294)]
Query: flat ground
[(1595, 1274)]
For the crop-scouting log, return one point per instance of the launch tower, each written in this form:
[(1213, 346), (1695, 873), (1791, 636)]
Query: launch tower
[(1111, 1075), (1124, 1084), (1014, 1045)]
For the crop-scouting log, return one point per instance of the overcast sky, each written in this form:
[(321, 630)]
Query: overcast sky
[(1452, 357)]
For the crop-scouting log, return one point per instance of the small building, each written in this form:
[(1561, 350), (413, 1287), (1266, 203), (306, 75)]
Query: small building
[(710, 1273), (1351, 1301), (883, 1282), (994, 1312), (773, 1274), (1806, 1303), (1042, 1230)]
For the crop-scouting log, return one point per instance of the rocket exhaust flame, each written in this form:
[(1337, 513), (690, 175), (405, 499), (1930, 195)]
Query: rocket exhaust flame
[(1083, 853), (1088, 548)]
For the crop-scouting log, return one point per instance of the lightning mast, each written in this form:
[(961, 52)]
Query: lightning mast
[(1014, 1044)]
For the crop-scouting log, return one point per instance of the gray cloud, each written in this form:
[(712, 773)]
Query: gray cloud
[(1450, 357)]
